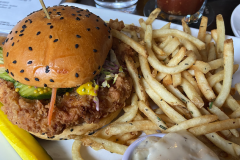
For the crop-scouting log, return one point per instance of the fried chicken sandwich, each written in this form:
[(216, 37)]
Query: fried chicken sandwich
[(59, 75)]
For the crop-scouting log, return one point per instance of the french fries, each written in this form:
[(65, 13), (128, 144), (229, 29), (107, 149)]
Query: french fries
[(101, 143), (135, 45), (194, 122), (190, 106), (215, 126), (121, 128), (228, 56), (173, 32), (132, 70), (237, 87), (76, 150), (220, 36), (192, 93), (169, 111), (203, 28), (153, 16), (211, 52), (151, 115), (181, 74), (201, 66), (185, 27), (204, 86), (159, 88)]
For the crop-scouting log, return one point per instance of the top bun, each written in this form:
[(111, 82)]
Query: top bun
[(62, 52)]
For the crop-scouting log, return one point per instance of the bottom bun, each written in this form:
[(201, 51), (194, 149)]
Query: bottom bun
[(82, 129)]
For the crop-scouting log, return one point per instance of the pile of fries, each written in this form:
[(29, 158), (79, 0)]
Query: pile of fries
[(188, 78)]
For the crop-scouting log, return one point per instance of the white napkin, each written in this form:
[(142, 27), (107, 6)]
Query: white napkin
[(12, 11)]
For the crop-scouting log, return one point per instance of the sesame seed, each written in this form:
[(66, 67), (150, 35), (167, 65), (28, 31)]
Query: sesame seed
[(108, 31), (87, 10), (97, 20), (97, 28), (26, 79), (87, 15), (7, 71), (26, 21), (78, 36), (3, 43), (55, 40), (6, 39), (54, 9), (99, 67), (38, 32), (12, 74), (45, 85), (13, 44), (20, 35), (14, 62), (76, 45), (7, 54), (51, 80), (30, 20), (24, 26), (16, 31), (77, 75), (30, 48), (43, 133), (11, 38), (59, 13), (109, 37), (29, 62), (62, 18), (22, 71), (10, 32), (79, 15), (47, 69), (94, 72), (105, 24), (73, 14), (36, 79), (78, 19), (88, 29), (94, 50), (48, 23), (78, 11), (71, 130), (50, 36), (51, 27)]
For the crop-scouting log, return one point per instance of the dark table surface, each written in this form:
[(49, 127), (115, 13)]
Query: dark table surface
[(224, 7)]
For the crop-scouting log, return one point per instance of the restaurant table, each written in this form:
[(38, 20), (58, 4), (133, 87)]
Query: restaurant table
[(224, 7)]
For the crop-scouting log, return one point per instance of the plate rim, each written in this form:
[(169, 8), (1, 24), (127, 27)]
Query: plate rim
[(232, 21)]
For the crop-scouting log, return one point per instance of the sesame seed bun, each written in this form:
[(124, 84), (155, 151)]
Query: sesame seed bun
[(62, 52)]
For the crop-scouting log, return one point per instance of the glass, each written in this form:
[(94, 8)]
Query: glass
[(175, 10), (119, 5)]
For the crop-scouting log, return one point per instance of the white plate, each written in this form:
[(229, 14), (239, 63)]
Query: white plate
[(62, 149), (235, 21)]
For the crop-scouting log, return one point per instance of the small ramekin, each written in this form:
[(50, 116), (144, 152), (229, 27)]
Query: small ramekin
[(128, 153)]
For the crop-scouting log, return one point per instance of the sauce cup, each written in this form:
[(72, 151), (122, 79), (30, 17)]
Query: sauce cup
[(128, 153)]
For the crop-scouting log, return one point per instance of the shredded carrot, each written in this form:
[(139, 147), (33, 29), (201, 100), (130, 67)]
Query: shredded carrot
[(2, 65), (51, 107)]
